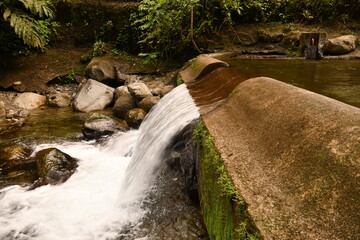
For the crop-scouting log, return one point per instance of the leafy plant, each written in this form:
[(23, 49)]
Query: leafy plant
[(99, 48), (30, 20)]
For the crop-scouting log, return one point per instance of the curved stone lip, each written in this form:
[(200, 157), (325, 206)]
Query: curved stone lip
[(199, 67)]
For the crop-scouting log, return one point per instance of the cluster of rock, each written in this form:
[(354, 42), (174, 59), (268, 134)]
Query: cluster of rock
[(132, 99), (49, 166)]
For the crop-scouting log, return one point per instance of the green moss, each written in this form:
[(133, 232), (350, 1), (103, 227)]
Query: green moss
[(179, 80), (224, 210)]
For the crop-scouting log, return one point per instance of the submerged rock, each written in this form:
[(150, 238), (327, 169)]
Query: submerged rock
[(123, 104), (54, 166), (14, 157), (30, 100), (93, 95), (134, 117), (98, 125), (59, 100), (147, 103), (340, 45)]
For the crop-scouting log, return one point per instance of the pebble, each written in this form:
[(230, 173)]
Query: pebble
[(17, 83)]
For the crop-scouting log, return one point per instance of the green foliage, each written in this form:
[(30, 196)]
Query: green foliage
[(30, 20), (99, 48), (169, 27), (223, 208), (179, 80)]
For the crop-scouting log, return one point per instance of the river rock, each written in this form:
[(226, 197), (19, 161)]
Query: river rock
[(101, 69), (59, 100), (2, 109), (54, 166), (166, 90), (30, 100), (126, 78), (123, 104), (134, 117), (93, 95), (340, 45), (14, 157), (120, 91), (155, 86), (139, 90), (98, 125), (147, 103)]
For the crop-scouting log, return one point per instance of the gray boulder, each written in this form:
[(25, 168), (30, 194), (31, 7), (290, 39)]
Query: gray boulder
[(93, 95), (134, 117), (101, 69), (59, 100), (123, 104), (30, 100), (54, 166), (147, 103), (340, 45), (98, 125), (139, 90), (120, 91)]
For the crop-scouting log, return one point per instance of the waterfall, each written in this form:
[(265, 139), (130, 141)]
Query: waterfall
[(105, 193)]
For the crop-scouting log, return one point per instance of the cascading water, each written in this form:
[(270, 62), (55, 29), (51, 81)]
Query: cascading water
[(105, 193)]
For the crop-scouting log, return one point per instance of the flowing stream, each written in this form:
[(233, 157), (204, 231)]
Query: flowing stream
[(106, 194)]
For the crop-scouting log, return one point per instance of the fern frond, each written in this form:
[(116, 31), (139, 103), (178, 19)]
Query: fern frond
[(26, 28), (41, 8)]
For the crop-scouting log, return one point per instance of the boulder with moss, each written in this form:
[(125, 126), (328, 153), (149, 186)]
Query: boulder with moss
[(134, 117)]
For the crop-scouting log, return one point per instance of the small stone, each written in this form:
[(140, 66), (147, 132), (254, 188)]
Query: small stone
[(147, 103), (134, 117), (139, 90), (17, 83), (11, 114), (120, 91)]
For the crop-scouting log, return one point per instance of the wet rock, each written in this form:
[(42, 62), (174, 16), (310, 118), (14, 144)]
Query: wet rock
[(340, 45), (147, 103), (120, 91), (30, 100), (139, 90), (101, 69), (2, 109), (134, 117), (59, 100), (98, 125), (15, 157), (126, 78), (93, 95), (54, 166), (155, 87), (123, 104), (166, 90)]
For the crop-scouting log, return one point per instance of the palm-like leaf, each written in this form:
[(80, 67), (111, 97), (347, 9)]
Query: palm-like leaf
[(26, 28), (41, 8)]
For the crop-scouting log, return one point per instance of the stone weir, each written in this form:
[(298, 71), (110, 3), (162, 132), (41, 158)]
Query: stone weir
[(279, 162)]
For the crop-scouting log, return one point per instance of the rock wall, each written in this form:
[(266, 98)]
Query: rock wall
[(294, 157)]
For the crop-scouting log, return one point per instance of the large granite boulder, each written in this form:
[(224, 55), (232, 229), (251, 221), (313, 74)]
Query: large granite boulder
[(93, 95), (59, 100), (134, 117), (123, 104), (340, 45), (147, 103), (54, 166), (30, 100), (98, 125), (101, 69), (139, 90)]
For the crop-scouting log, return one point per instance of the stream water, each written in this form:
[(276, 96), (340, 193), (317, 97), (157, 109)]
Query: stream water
[(108, 192)]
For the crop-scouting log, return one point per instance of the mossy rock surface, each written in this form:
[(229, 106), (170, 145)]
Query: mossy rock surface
[(134, 117), (14, 157)]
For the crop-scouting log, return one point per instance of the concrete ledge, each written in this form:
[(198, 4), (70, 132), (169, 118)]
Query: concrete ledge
[(199, 67), (294, 156)]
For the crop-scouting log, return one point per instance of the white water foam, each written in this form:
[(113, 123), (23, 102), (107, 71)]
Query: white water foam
[(105, 192)]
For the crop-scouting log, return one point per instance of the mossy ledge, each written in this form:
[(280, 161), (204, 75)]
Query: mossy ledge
[(224, 210)]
